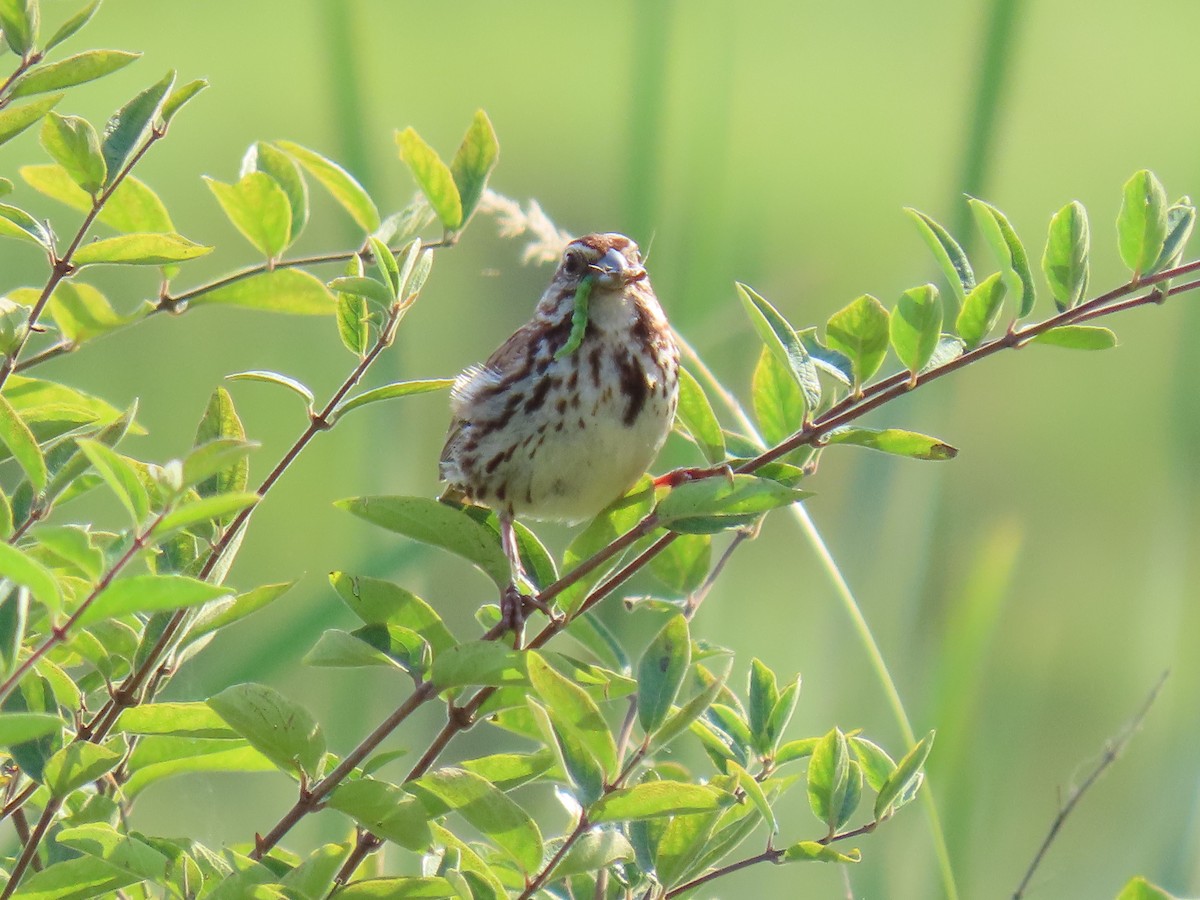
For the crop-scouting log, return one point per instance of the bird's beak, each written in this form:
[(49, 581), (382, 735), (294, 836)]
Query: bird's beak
[(614, 271)]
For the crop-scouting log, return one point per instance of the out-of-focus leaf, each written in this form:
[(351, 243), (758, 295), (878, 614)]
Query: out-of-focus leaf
[(386, 810), (1065, 261), (916, 326), (597, 849), (180, 719), (409, 887), (78, 763), (281, 729), (15, 119), (19, 19), (126, 128), (392, 391), (19, 727), (120, 476), (981, 310), (18, 224), (1078, 337), (72, 25), (241, 606), (258, 207), (683, 565), (1142, 221), (148, 593), (815, 851), (281, 290), (433, 177), (697, 416), (282, 380), (75, 146), (122, 851), (75, 879), (860, 331), (896, 441), (479, 663), (81, 312), (77, 69), (139, 250), (132, 207), (267, 158), (340, 184), (21, 443), (907, 772), (764, 694), (658, 798), (217, 507), (1140, 889), (474, 162)]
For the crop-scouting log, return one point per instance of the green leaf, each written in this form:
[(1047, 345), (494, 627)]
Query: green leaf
[(428, 521), (877, 766), (340, 649), (75, 146), (241, 606), (362, 286), (778, 403), (1065, 261), (22, 444), (860, 330), (75, 879), (680, 720), (6, 186), (1140, 889), (683, 565), (128, 125), (815, 851), (269, 159), (896, 441), (714, 504), (19, 727), (391, 391), (120, 476), (18, 224), (72, 25), (81, 312), (950, 258), (570, 705), (754, 791), (122, 851), (829, 778), (398, 888), (220, 422), (219, 507), (132, 207), (211, 457), (616, 519), (341, 185), (149, 593), (280, 729), (282, 380), (314, 877), (474, 162), (258, 207), (981, 310), (78, 763), (697, 416), (916, 326), (139, 250), (1142, 222), (494, 814), (179, 98), (782, 713), (657, 798), (354, 323), (596, 849), (1078, 337), (15, 119), (1181, 218), (781, 339), (385, 264), (660, 672), (283, 290), (1008, 251), (479, 663), (764, 695), (385, 810), (77, 69), (509, 770), (904, 779), (19, 21), (379, 602), (433, 177), (180, 719), (574, 758)]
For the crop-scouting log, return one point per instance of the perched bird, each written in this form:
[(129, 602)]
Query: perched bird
[(572, 409)]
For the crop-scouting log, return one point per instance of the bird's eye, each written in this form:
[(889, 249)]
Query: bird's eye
[(573, 263)]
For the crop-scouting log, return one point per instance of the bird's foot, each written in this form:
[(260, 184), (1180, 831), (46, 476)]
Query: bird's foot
[(676, 477), (516, 606)]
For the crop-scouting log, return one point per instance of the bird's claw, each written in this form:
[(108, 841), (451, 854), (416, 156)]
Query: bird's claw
[(515, 607), (676, 477)]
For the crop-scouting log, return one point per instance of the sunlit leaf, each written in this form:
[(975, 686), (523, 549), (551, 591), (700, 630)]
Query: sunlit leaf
[(1078, 337), (778, 403), (697, 416), (829, 778), (78, 763), (907, 773), (281, 290), (433, 177), (1009, 252), (18, 224), (148, 593), (291, 384), (657, 798), (21, 443), (77, 69), (894, 440), (860, 331), (139, 250), (132, 207), (981, 310), (916, 326), (379, 602), (281, 729), (570, 705), (1142, 221), (1065, 261), (815, 851), (386, 810), (264, 157), (258, 207), (781, 339), (15, 119), (392, 391), (660, 672), (950, 258), (120, 476), (129, 124), (72, 25), (474, 162), (714, 504), (75, 146), (341, 185)]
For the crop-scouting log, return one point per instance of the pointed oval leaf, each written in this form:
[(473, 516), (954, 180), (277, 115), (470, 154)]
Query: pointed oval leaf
[(180, 97), (354, 323), (409, 887), (120, 476), (684, 564), (1142, 221), (379, 602), (1078, 337), (75, 146), (18, 224), (132, 207), (291, 291), (479, 663), (77, 69), (754, 791), (474, 162), (778, 403), (860, 331), (577, 761), (19, 727), (916, 326), (697, 416), (15, 119), (275, 378), (22, 444), (363, 286), (19, 20), (279, 728), (431, 522), (713, 504), (951, 258), (877, 766), (126, 128), (652, 799), (264, 157), (896, 441), (1181, 218), (385, 264), (139, 250), (597, 849), (81, 312), (149, 593), (907, 772), (220, 422), (433, 177), (661, 671), (242, 606), (1009, 252), (780, 338), (981, 310), (258, 207), (570, 705), (829, 778), (815, 851), (392, 391), (1065, 261), (73, 24), (494, 814), (122, 851), (341, 185), (219, 507), (764, 696), (78, 763)]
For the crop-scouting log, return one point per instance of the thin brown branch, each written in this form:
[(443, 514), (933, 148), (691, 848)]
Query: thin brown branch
[(26, 63), (1112, 750), (29, 851)]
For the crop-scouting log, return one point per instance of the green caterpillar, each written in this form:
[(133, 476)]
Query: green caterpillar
[(579, 318)]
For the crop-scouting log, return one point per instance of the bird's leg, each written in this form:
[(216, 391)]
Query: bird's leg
[(512, 601)]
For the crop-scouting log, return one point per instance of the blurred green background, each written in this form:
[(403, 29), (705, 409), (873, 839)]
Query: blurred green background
[(1026, 596)]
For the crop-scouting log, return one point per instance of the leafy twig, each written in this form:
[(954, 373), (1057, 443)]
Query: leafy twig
[(1112, 750)]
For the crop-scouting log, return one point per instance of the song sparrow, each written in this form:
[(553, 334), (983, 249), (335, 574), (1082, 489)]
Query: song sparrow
[(571, 410)]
